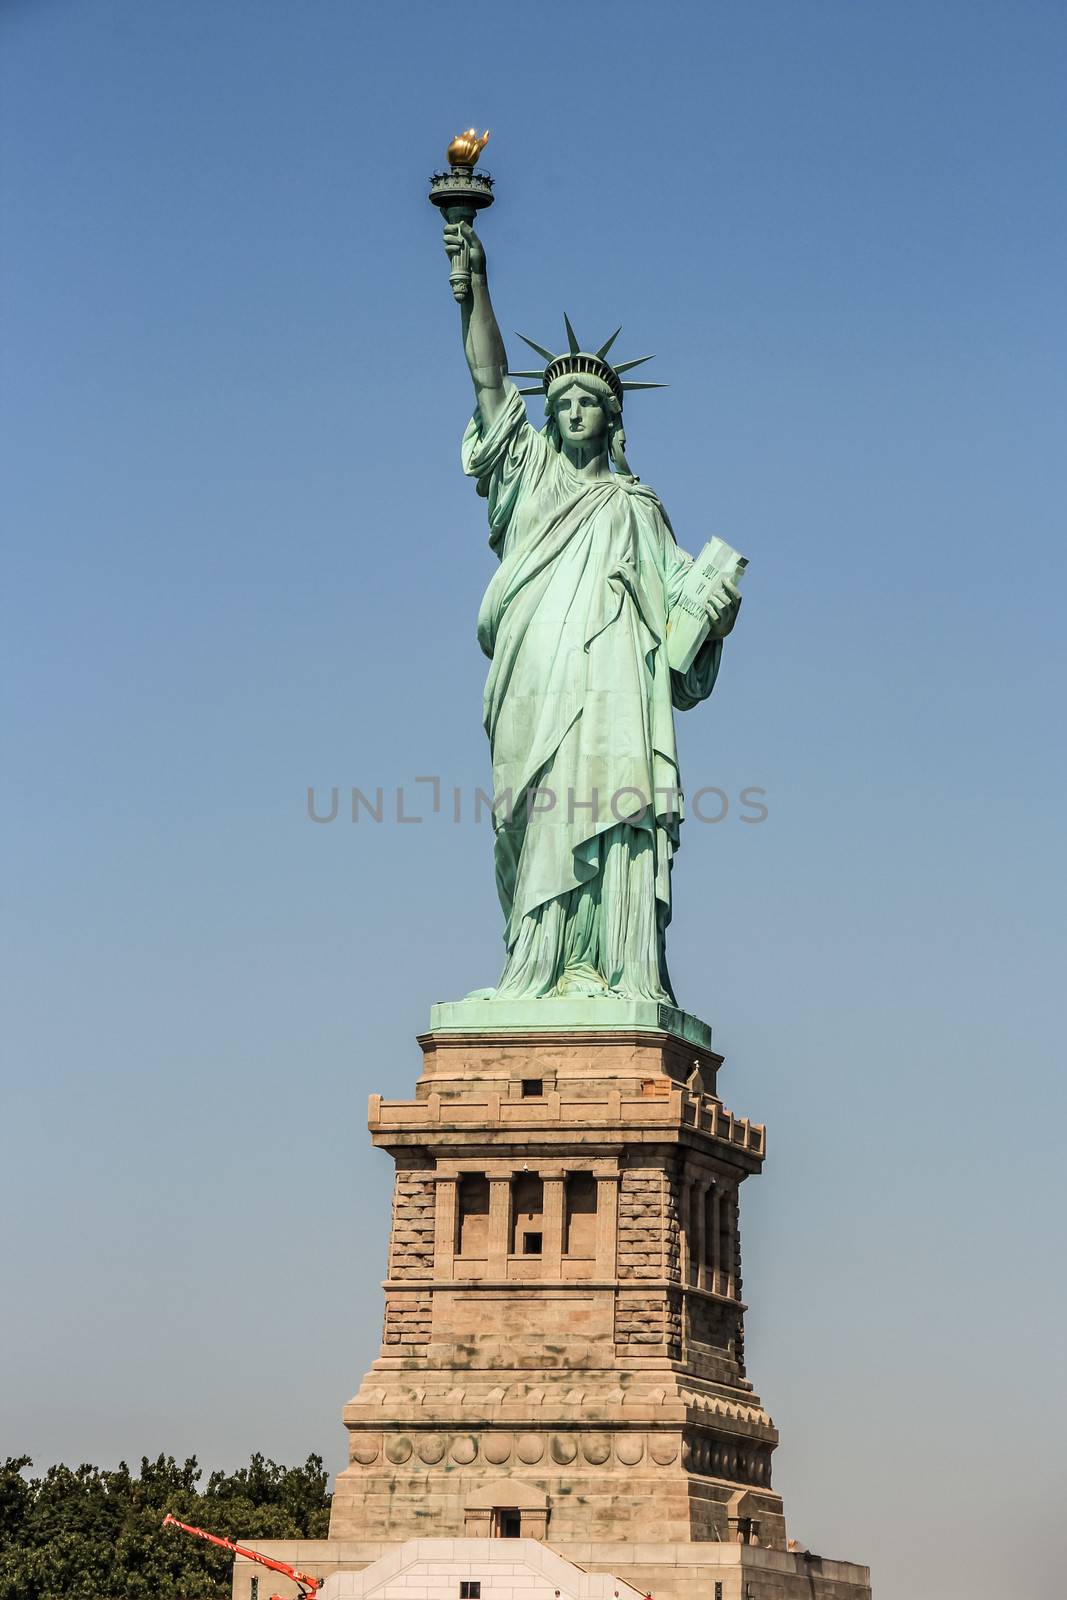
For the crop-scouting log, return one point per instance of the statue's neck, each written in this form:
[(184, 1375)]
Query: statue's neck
[(589, 460)]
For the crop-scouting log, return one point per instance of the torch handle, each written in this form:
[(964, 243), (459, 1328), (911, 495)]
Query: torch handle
[(460, 275)]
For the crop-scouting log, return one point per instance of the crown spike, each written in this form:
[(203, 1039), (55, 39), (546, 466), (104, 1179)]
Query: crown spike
[(539, 390), (606, 346), (513, 372), (646, 386), (626, 366), (539, 348), (572, 337)]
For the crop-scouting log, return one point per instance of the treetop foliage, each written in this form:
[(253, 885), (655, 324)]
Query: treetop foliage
[(88, 1534)]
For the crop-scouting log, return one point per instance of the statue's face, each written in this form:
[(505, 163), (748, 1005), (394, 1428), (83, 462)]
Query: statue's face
[(580, 415)]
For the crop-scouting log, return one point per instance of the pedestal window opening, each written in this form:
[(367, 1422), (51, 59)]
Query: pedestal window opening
[(579, 1221), (710, 1233), (527, 1215), (472, 1216)]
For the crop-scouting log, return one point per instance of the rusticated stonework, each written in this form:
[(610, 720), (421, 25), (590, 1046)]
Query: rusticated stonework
[(411, 1242)]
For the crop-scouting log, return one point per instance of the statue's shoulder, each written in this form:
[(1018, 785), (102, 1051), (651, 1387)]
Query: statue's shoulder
[(644, 494)]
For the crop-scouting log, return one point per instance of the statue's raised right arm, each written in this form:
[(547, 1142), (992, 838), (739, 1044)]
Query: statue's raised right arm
[(482, 342)]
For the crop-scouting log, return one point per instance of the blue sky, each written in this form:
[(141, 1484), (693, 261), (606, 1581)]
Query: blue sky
[(240, 559)]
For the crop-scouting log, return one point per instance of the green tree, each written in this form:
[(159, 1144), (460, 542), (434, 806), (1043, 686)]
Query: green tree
[(88, 1534)]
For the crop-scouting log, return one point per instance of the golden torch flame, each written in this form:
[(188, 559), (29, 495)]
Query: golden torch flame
[(466, 148)]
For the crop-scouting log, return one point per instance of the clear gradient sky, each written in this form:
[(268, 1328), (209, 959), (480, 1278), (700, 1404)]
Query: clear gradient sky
[(240, 558)]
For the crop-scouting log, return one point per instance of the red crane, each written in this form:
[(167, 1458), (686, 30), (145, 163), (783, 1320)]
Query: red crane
[(307, 1584)]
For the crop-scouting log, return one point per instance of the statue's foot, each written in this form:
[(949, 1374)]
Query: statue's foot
[(481, 994)]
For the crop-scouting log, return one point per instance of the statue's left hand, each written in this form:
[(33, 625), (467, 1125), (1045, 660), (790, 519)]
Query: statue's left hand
[(724, 602)]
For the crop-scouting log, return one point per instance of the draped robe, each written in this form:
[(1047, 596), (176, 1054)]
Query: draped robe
[(578, 708)]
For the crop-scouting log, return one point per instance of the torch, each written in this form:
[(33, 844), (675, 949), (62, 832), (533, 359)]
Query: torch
[(458, 194)]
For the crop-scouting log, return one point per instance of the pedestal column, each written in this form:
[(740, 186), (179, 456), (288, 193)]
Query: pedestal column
[(499, 1226), (607, 1225), (444, 1237), (552, 1224)]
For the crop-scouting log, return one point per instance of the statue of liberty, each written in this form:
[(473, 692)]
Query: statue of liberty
[(580, 698)]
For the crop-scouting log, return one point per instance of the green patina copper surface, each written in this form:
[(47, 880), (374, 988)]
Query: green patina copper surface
[(568, 1014), (580, 698)]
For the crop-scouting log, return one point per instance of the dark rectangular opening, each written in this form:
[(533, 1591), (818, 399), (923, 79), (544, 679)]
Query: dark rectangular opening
[(531, 1244), (710, 1241), (532, 1088), (527, 1209), (472, 1215), (579, 1215), (507, 1523), (469, 1589)]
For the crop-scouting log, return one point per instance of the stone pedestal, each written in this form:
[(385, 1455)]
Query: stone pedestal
[(562, 1365), (563, 1351)]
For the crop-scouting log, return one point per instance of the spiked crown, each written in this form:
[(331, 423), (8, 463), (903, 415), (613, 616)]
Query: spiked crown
[(576, 363)]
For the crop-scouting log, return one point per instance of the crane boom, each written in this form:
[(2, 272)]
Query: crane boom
[(308, 1584)]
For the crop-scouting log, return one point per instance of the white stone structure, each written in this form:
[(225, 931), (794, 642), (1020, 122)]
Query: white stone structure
[(477, 1569)]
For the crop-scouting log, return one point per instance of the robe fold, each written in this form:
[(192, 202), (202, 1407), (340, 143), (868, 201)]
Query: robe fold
[(578, 708)]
